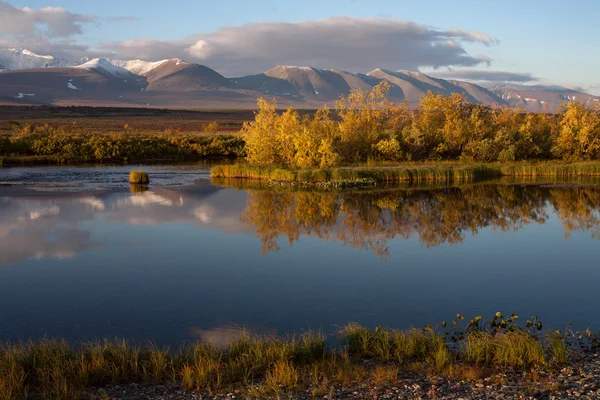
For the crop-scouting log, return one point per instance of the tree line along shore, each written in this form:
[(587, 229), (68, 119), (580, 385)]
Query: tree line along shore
[(364, 128)]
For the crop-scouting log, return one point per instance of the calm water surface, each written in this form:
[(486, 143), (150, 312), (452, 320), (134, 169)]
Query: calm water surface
[(88, 257)]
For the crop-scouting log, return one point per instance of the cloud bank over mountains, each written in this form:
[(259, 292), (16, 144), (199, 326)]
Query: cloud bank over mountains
[(488, 76), (355, 44)]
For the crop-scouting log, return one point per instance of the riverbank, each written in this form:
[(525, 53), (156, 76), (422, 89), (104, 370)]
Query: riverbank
[(415, 172), (578, 380), (496, 357)]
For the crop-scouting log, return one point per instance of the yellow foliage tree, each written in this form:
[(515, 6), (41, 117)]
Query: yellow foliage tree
[(364, 121), (579, 134), (315, 144), (261, 135)]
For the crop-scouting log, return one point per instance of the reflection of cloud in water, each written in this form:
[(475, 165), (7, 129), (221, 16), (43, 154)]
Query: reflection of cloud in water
[(29, 242), (41, 212), (94, 202), (203, 213), (144, 199), (59, 255), (220, 209), (222, 336), (36, 225)]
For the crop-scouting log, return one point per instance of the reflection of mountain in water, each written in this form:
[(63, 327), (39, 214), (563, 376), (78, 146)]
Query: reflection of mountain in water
[(42, 224), (368, 220)]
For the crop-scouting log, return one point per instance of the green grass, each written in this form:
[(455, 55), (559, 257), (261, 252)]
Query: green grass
[(273, 366), (381, 174), (416, 173), (138, 178), (510, 349)]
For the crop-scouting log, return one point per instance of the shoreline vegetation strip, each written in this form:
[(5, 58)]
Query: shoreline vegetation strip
[(363, 126), (371, 175), (269, 364)]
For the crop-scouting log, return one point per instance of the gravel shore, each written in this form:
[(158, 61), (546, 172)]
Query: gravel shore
[(579, 380)]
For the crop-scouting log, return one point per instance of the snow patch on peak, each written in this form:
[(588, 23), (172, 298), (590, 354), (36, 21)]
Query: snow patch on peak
[(296, 67), (378, 70), (32, 54), (127, 67), (104, 65), (140, 67)]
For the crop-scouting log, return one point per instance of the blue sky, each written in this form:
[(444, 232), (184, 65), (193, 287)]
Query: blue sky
[(551, 40)]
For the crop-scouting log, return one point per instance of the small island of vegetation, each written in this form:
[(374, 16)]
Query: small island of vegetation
[(370, 139)]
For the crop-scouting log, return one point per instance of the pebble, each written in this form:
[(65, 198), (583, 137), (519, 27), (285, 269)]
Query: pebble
[(580, 380)]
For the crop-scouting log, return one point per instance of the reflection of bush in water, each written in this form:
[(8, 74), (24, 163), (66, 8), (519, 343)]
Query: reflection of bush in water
[(135, 188), (368, 220)]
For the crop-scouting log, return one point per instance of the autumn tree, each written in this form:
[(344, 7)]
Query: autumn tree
[(315, 144), (262, 136), (212, 128), (364, 117), (579, 133)]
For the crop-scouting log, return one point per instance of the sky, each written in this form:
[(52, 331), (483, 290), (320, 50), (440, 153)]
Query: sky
[(487, 41)]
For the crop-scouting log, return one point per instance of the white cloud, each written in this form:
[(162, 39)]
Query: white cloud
[(486, 75), (470, 36), (48, 30), (200, 50), (47, 21), (355, 44)]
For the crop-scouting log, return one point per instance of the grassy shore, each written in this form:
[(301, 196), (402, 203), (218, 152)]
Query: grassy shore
[(57, 147), (416, 172), (268, 366)]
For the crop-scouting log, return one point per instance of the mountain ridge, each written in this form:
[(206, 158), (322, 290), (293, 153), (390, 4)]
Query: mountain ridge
[(25, 79)]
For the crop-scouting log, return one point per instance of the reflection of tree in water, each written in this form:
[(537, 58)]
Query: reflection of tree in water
[(368, 220), (578, 209), (290, 214)]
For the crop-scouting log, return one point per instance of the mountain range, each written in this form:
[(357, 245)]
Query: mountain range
[(28, 78)]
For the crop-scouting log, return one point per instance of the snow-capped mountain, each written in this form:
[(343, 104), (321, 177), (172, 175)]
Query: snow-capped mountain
[(125, 67), (16, 59), (177, 83)]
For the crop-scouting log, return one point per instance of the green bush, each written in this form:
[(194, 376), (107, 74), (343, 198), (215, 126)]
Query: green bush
[(67, 144), (138, 178)]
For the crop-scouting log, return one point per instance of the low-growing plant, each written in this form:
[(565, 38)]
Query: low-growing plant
[(138, 178)]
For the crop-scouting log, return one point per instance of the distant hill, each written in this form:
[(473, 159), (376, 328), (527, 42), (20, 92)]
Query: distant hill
[(28, 78), (544, 98)]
